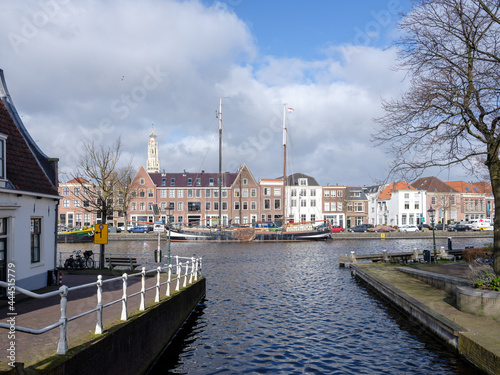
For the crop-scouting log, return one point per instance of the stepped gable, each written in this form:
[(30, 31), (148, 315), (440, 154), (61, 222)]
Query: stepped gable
[(433, 184), (23, 170)]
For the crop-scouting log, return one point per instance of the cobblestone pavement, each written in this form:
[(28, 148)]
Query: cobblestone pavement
[(39, 313)]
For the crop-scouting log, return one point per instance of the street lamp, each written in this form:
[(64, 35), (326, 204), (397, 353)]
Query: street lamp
[(432, 213), (168, 209)]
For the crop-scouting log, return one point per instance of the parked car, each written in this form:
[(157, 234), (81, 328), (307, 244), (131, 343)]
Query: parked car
[(337, 228), (424, 227), (360, 228), (441, 227), (408, 228), (382, 229), (459, 228), (139, 229)]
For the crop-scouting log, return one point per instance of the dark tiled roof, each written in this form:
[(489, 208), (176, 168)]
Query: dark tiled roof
[(181, 179), (293, 180), (433, 184), (23, 170)]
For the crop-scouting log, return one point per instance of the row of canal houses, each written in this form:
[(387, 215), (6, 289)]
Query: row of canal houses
[(192, 198)]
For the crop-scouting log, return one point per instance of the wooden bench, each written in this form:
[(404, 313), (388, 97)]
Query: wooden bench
[(122, 261)]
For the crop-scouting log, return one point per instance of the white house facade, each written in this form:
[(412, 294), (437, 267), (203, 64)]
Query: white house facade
[(28, 202)]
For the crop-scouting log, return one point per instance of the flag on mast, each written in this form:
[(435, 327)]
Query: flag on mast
[(290, 109)]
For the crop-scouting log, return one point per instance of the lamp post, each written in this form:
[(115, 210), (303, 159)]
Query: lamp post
[(168, 227), (432, 213)]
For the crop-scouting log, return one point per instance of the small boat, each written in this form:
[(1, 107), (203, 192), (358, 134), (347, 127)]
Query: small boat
[(76, 236)]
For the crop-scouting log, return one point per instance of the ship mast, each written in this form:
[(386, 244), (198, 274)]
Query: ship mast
[(284, 162), (219, 116)]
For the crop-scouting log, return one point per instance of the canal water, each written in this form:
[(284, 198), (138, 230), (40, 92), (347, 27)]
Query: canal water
[(287, 308)]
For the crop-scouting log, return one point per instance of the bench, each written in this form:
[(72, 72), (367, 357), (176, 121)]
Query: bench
[(122, 261)]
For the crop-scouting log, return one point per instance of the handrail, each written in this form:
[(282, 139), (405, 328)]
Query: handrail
[(192, 270)]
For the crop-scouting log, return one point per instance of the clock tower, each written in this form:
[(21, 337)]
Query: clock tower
[(153, 160)]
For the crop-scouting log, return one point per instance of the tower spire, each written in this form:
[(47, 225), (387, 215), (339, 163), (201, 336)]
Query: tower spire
[(153, 164)]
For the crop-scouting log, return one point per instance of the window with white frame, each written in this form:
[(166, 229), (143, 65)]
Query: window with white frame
[(327, 206), (253, 193), (253, 205), (277, 192), (35, 234)]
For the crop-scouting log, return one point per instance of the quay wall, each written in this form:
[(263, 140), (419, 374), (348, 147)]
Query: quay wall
[(132, 347)]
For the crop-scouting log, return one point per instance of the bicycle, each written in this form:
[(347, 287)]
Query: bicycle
[(89, 259), (75, 263)]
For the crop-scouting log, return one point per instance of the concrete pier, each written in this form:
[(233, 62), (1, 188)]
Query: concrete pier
[(426, 293)]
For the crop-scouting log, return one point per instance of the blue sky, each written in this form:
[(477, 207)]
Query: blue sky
[(101, 70)]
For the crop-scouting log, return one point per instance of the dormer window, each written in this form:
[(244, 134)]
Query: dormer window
[(172, 182), (190, 182), (163, 182), (3, 139), (303, 181), (211, 182)]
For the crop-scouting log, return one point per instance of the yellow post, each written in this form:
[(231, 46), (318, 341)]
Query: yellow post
[(101, 234)]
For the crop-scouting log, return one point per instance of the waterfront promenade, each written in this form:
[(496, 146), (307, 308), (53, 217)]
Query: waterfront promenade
[(35, 352), (478, 336)]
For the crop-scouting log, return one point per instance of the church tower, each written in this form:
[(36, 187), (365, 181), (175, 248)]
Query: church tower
[(153, 160)]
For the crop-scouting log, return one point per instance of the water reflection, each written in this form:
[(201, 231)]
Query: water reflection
[(289, 309)]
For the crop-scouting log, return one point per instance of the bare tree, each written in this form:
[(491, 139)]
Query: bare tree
[(98, 167), (450, 114), (125, 177)]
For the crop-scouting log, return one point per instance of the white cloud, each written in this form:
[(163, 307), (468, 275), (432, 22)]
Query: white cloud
[(105, 69)]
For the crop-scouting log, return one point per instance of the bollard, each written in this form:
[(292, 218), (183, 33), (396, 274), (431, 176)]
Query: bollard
[(415, 255), (60, 278), (353, 257), (385, 256)]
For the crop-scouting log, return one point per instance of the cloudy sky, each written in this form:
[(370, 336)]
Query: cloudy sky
[(107, 69)]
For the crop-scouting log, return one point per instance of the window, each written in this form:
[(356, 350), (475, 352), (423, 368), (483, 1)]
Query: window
[(407, 205), (253, 205), (224, 206), (236, 193), (277, 192), (452, 200), (267, 191), (339, 206), (65, 202), (142, 194), (277, 204), (245, 181), (77, 203), (216, 206), (180, 206), (198, 182), (163, 182), (211, 181), (76, 191), (172, 182), (194, 206), (189, 193), (134, 206), (267, 204), (313, 217), (293, 193), (417, 206), (236, 206), (244, 193), (35, 233), (180, 193), (163, 193), (2, 156), (163, 205), (207, 206), (253, 193), (433, 200), (303, 203), (407, 195), (207, 193), (327, 193), (313, 192), (303, 192), (327, 206), (197, 193), (216, 193), (313, 202), (143, 181), (245, 205), (142, 206), (150, 193), (339, 193), (303, 181), (190, 182), (86, 203), (359, 206), (224, 193), (65, 191)]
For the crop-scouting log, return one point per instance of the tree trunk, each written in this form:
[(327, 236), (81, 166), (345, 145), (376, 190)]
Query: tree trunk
[(494, 168)]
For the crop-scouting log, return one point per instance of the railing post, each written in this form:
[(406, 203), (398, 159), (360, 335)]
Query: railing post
[(157, 297), (177, 265), (177, 286), (169, 278), (192, 271), (124, 297), (196, 270), (200, 267), (185, 274), (98, 326), (62, 346), (142, 306)]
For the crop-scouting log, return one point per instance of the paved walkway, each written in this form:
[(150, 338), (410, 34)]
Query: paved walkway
[(39, 313)]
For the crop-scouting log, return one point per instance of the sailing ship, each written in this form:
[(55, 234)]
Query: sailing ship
[(288, 231), (76, 236)]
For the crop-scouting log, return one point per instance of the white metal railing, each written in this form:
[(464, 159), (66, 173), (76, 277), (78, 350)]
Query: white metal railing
[(190, 266), (143, 259)]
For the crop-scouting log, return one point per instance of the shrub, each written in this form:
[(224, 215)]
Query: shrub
[(484, 278), (470, 255)]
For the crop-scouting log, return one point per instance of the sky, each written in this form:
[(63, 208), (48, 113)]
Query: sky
[(102, 70)]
